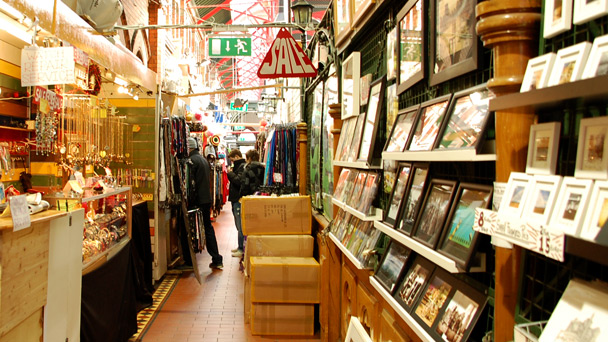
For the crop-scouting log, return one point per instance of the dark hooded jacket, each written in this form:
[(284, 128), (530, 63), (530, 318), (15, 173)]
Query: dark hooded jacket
[(252, 178), (234, 193), (199, 179)]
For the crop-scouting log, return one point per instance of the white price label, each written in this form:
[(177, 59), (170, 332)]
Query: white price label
[(20, 212)]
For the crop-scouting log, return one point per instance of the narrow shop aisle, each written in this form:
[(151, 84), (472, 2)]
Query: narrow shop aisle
[(213, 311)]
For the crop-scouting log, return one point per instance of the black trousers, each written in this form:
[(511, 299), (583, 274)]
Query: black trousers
[(210, 240)]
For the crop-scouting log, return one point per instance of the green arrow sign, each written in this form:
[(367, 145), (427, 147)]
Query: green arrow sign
[(241, 109), (229, 47)]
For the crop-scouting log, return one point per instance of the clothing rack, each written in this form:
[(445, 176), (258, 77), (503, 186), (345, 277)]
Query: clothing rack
[(281, 156)]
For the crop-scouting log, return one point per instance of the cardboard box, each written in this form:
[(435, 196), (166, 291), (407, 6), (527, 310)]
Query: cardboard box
[(278, 245), (264, 215), (282, 319), (247, 299), (285, 280)]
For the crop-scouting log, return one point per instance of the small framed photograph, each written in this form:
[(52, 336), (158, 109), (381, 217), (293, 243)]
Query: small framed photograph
[(346, 138), (569, 64), (364, 84), (414, 282), (341, 183), (361, 7), (515, 196), (349, 186), (411, 39), (586, 10), (392, 107), (429, 123), (462, 310), (391, 54), (372, 122), (399, 189), (571, 205), (343, 15), (356, 332), (434, 211), (390, 169), (466, 120), (541, 200), (558, 17), (355, 197), (542, 148), (353, 150), (597, 213), (351, 74), (392, 263), (592, 150), (400, 134), (538, 72), (459, 239), (413, 199), (597, 63), (369, 192), (434, 298)]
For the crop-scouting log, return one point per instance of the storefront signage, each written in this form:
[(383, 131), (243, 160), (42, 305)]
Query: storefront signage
[(286, 59), (47, 66), (52, 99), (20, 212), (243, 108), (535, 237), (229, 46)]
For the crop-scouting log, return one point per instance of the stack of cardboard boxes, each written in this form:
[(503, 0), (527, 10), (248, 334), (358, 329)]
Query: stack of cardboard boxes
[(282, 279)]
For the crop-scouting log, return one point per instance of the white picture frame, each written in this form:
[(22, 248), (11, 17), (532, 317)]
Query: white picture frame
[(541, 200), (586, 10), (351, 94), (597, 62), (356, 332), (597, 212), (592, 149), (538, 72), (516, 195), (569, 64), (571, 206), (558, 17), (542, 148)]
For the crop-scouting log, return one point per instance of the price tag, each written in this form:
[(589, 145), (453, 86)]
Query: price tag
[(147, 197), (20, 212), (485, 221), (547, 242)]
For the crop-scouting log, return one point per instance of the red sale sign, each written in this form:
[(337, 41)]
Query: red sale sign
[(286, 59)]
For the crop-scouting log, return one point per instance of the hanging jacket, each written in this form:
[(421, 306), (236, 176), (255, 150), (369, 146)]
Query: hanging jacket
[(199, 178), (234, 193), (252, 178)]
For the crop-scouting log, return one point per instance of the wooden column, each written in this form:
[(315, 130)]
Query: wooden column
[(335, 110), (303, 144), (510, 28)]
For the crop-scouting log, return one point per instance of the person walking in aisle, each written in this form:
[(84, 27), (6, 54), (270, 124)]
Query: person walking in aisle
[(234, 196), (199, 176), (253, 174)]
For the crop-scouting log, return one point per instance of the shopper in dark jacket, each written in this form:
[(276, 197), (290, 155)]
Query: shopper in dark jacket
[(234, 196), (201, 199), (253, 175)]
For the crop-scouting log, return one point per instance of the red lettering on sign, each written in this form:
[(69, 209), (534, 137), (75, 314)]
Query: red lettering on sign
[(285, 58)]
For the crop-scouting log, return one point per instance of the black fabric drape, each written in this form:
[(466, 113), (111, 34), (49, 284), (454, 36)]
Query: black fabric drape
[(108, 309), (142, 255)]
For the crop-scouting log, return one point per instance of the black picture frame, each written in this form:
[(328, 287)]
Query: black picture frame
[(466, 120), (429, 122), (375, 105), (408, 212), (402, 128), (413, 283), (349, 186), (411, 55), (433, 212), (355, 197), (399, 190), (454, 42), (433, 299), (459, 240), (392, 265), (356, 140), (346, 138)]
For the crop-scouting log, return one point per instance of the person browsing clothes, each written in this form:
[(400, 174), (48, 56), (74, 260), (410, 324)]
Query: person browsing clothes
[(234, 196), (252, 177)]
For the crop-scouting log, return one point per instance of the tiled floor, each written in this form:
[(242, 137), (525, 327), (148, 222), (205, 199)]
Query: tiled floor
[(213, 311)]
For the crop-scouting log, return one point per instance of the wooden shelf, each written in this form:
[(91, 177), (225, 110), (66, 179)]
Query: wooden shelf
[(47, 215), (16, 129), (356, 165), (361, 216), (409, 320), (434, 256), (589, 90), (346, 252), (589, 250), (487, 153)]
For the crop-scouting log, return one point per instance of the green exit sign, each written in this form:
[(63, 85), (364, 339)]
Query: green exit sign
[(229, 46), (241, 109)]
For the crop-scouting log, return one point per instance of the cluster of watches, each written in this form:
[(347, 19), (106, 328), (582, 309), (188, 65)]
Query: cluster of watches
[(104, 231)]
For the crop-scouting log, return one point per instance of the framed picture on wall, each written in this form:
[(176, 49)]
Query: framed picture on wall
[(597, 214), (400, 134), (571, 205), (516, 194), (413, 198), (372, 121), (592, 149), (343, 14), (429, 122), (434, 298), (351, 74), (413, 283), (361, 7), (369, 192), (569, 64), (341, 183), (391, 265), (558, 17), (459, 239), (353, 151), (364, 84), (434, 210), (391, 54), (538, 72), (454, 40), (355, 197), (346, 137), (466, 120), (542, 148), (586, 10), (399, 189), (392, 106), (541, 200), (597, 62), (410, 44)]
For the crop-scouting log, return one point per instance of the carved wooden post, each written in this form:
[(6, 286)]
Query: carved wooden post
[(335, 110), (303, 144), (510, 28)]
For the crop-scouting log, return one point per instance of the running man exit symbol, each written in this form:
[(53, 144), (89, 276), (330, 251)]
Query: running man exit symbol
[(229, 46)]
